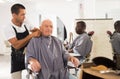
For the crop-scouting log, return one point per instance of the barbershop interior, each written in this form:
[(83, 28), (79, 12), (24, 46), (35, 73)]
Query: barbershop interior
[(60, 39)]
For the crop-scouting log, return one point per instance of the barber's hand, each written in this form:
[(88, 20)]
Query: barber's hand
[(35, 29), (35, 65), (75, 61), (36, 33)]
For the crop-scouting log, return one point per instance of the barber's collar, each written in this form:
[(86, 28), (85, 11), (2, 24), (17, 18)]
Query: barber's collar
[(16, 25)]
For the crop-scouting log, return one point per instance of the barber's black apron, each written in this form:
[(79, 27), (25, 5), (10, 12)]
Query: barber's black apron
[(17, 56)]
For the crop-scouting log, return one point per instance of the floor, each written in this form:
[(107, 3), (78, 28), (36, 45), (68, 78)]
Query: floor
[(5, 67)]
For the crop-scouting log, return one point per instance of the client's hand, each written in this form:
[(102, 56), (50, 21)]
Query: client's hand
[(35, 65), (70, 51), (75, 61)]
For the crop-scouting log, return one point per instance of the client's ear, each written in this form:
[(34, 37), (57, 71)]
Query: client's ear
[(40, 28)]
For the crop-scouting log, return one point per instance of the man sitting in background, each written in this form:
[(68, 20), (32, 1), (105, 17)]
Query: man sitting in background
[(82, 45), (47, 55)]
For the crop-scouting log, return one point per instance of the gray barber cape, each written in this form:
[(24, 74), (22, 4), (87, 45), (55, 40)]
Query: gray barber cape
[(52, 56), (82, 45), (115, 41)]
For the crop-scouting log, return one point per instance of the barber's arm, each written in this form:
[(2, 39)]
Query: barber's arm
[(34, 29), (17, 44)]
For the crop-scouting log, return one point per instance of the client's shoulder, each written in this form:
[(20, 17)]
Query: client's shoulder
[(56, 39)]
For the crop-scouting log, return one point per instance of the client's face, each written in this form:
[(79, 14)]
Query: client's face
[(47, 28)]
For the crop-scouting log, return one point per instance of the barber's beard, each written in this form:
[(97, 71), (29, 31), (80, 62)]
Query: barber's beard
[(19, 22)]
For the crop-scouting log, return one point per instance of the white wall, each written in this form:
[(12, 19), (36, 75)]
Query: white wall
[(4, 18), (89, 8), (99, 8), (111, 7), (66, 11)]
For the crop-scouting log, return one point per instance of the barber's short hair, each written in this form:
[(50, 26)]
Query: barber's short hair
[(117, 25), (83, 24), (16, 7)]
